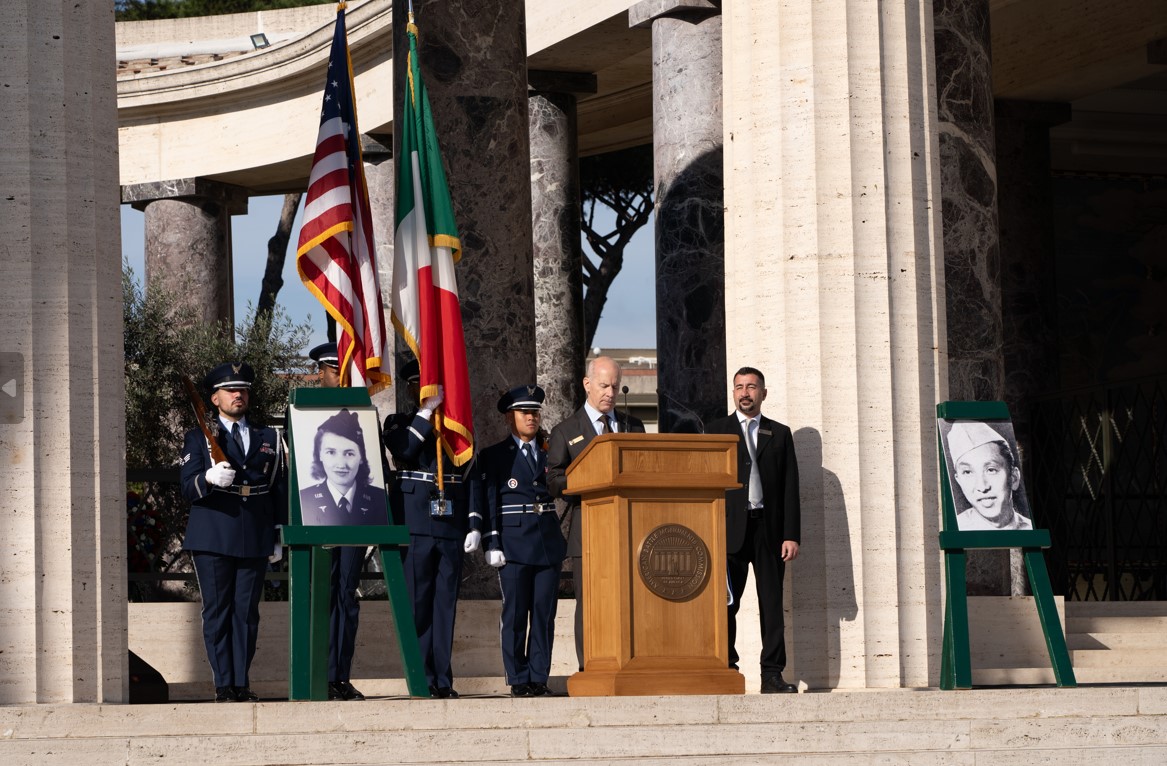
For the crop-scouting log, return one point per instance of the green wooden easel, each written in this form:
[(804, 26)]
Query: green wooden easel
[(956, 665), (308, 571)]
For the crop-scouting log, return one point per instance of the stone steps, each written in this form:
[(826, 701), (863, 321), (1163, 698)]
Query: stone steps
[(1001, 726)]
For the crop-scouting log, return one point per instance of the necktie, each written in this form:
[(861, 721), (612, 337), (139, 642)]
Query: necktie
[(755, 491), (343, 505), (238, 438), (605, 426), (530, 459)]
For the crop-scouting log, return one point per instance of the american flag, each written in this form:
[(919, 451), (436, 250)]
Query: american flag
[(336, 256)]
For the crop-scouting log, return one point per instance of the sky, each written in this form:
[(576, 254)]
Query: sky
[(628, 321)]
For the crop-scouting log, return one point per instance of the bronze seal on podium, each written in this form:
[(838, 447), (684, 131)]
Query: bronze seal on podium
[(674, 562)]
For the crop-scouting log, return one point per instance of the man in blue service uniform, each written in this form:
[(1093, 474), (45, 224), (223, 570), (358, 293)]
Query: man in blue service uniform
[(347, 561), (231, 533), (762, 519), (570, 438), (437, 524), (523, 541)]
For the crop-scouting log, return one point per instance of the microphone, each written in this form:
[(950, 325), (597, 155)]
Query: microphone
[(685, 410), (624, 391)]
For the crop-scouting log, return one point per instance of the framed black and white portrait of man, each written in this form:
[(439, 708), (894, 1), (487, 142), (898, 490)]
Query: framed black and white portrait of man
[(985, 473)]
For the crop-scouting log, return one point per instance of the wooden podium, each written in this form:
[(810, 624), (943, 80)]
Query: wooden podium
[(653, 535)]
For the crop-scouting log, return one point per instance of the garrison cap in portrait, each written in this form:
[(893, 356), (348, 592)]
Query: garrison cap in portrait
[(965, 436)]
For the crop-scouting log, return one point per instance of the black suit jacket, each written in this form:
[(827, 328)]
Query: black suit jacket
[(568, 439), (778, 465)]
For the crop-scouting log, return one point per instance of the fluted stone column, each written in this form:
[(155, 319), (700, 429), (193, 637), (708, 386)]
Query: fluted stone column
[(473, 58), (687, 159), (834, 289), (972, 256), (63, 517), (555, 218), (188, 243)]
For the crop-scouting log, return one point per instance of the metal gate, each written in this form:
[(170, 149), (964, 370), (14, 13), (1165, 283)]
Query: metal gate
[(1099, 475)]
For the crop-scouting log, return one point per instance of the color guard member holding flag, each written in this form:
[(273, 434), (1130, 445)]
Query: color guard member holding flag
[(430, 445), (437, 519)]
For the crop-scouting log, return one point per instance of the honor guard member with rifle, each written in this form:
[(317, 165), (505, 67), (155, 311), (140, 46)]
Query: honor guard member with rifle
[(437, 521), (344, 576), (233, 474), (523, 541)]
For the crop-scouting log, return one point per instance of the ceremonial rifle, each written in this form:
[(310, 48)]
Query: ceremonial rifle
[(200, 410)]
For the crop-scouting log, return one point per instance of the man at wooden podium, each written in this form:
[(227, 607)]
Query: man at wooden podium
[(568, 439), (761, 519)]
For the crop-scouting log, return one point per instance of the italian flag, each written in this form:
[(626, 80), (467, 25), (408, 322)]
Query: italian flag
[(426, 310)]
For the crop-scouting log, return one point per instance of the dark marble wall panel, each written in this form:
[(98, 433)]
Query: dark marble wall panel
[(969, 197), (473, 58), (555, 212), (968, 185), (690, 230)]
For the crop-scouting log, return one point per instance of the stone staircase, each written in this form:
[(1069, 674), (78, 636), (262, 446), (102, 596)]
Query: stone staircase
[(1109, 642), (1100, 725), (1118, 642)]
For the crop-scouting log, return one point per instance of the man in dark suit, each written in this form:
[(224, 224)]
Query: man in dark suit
[(761, 519), (568, 439), (437, 521), (509, 499), (231, 532)]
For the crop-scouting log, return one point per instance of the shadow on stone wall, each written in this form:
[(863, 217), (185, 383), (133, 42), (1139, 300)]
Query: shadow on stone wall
[(823, 586)]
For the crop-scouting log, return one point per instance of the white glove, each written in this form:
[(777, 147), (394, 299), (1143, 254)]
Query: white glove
[(431, 403), (277, 553), (221, 474), (496, 559), (473, 538)]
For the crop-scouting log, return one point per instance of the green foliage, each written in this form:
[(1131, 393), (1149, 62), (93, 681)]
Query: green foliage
[(149, 10), (159, 350)]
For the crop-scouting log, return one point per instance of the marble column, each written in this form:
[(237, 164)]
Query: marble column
[(690, 230), (1028, 266), (555, 218), (968, 182), (188, 243), (972, 257), (473, 59), (63, 531), (382, 184), (834, 288)]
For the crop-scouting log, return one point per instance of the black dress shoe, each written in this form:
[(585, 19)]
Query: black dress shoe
[(537, 689), (343, 690), (224, 694), (777, 685), (445, 693), (520, 690), (244, 694)]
